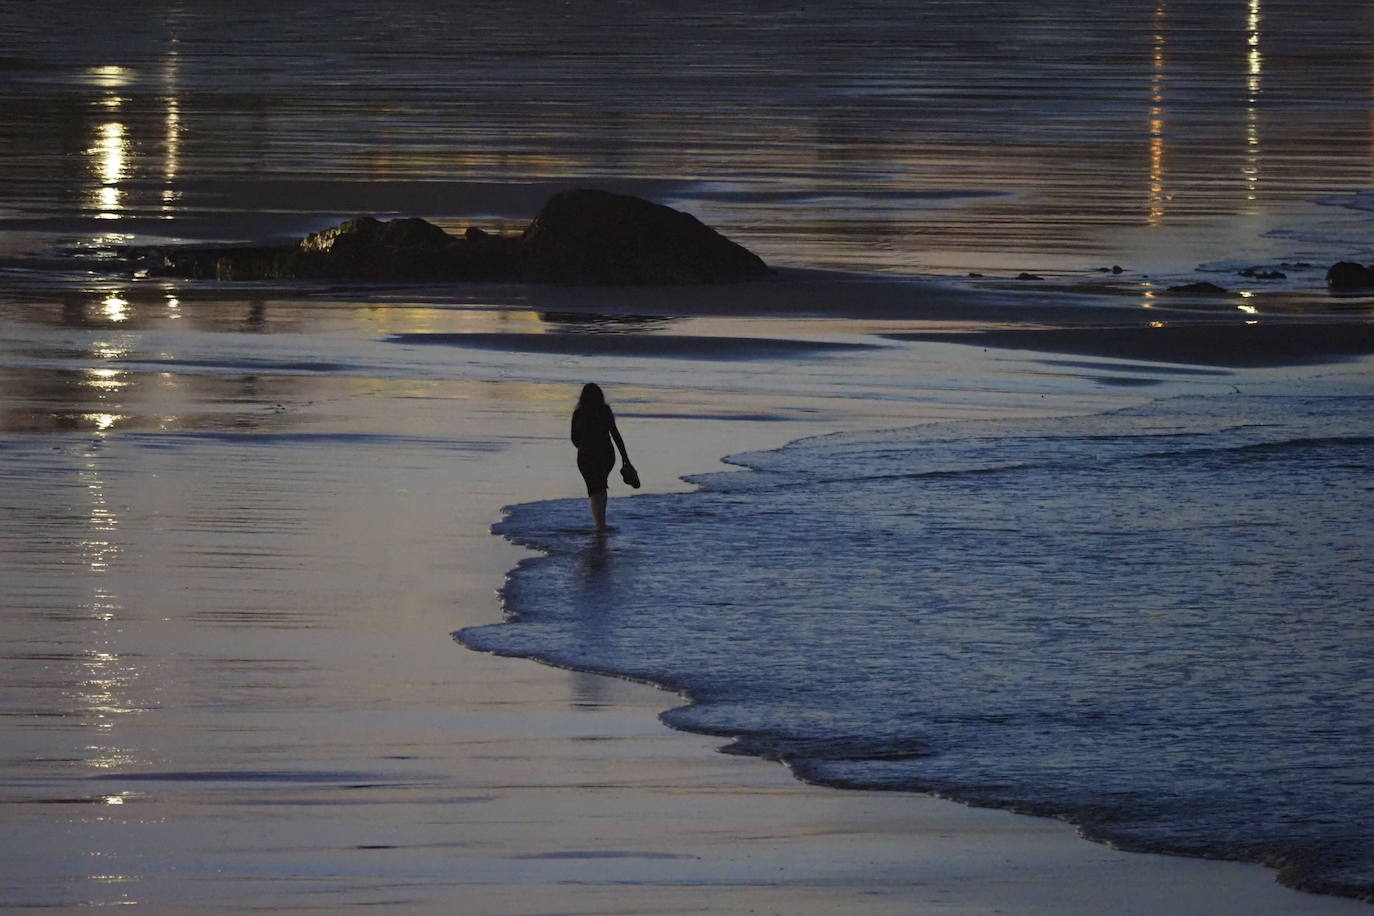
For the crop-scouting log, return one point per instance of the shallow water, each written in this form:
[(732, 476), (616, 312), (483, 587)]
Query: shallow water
[(1153, 622)]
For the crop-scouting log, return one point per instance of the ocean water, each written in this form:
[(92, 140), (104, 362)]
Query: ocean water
[(1154, 622), (930, 137)]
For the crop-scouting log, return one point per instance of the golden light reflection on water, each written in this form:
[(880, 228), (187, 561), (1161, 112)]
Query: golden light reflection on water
[(105, 381), (104, 757), (98, 549), (109, 350), (102, 421), (109, 161), (171, 130), (1158, 194), (109, 76), (1253, 84), (100, 693), (116, 308), (111, 153)]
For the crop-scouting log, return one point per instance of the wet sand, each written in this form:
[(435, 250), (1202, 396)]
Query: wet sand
[(1235, 345), (233, 684)]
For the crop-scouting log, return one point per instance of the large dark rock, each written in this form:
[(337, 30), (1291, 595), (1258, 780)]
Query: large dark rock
[(1349, 275), (602, 238), (579, 237)]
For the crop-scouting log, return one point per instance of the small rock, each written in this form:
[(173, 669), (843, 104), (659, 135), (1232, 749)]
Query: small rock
[(596, 237), (1027, 276), (1260, 273), (1199, 289), (366, 232)]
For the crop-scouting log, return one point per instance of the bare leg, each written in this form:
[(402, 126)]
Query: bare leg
[(598, 501)]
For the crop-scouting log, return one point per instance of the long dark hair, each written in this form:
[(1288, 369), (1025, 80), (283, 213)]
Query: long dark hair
[(591, 396)]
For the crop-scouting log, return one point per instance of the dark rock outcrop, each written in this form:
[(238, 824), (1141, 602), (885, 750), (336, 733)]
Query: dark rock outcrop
[(597, 237), (365, 248), (1349, 275), (579, 237)]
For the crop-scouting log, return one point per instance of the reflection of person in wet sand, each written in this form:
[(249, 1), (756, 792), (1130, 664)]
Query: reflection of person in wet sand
[(593, 429)]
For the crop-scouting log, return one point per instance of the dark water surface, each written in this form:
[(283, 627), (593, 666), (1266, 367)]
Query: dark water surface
[(927, 137)]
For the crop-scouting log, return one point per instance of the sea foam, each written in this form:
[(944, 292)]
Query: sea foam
[(1155, 623)]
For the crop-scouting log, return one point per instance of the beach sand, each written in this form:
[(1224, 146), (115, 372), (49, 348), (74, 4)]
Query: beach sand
[(238, 688)]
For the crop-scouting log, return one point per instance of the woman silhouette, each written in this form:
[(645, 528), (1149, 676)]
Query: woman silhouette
[(593, 430)]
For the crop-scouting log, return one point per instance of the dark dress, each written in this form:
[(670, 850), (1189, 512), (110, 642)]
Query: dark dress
[(592, 429)]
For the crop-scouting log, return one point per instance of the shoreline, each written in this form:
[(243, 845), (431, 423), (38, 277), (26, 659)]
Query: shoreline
[(1305, 351), (435, 770)]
